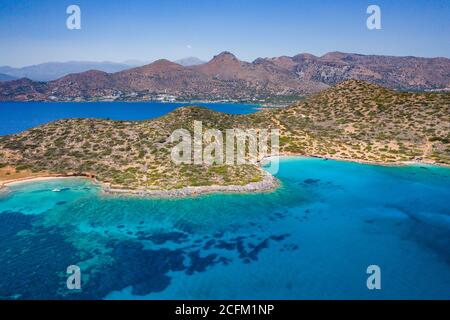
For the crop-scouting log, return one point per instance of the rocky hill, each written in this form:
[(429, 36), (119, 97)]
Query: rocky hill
[(226, 77), (365, 122), (354, 120)]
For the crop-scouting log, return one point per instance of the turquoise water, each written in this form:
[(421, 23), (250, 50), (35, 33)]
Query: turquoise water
[(19, 116), (312, 239)]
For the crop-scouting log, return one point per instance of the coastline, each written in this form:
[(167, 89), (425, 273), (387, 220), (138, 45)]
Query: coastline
[(256, 104), (375, 163), (48, 177), (36, 179), (268, 184)]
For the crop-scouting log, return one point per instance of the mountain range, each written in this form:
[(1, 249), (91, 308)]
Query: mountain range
[(227, 77), (53, 70)]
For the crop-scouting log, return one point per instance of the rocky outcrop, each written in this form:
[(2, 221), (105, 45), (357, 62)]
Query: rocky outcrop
[(267, 184)]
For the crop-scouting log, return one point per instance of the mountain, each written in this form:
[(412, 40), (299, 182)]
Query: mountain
[(353, 120), (6, 77), (24, 90), (189, 61), (401, 73), (54, 70), (226, 77)]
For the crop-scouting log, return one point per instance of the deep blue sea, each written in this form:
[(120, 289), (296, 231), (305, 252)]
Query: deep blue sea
[(311, 239), (19, 116)]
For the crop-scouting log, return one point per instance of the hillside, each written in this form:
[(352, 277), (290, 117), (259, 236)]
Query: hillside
[(361, 121), (354, 120), (127, 154), (225, 77)]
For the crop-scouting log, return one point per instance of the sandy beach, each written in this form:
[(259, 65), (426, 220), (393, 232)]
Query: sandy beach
[(34, 179)]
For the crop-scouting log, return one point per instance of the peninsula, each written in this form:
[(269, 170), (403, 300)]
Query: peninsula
[(354, 120)]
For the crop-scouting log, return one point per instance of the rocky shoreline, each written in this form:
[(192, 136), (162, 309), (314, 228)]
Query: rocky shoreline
[(375, 163), (267, 184)]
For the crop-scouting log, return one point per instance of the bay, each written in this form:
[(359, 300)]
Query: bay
[(18, 116)]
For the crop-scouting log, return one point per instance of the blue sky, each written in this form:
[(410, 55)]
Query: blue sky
[(35, 31)]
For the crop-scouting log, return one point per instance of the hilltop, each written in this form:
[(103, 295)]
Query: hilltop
[(225, 77), (354, 120)]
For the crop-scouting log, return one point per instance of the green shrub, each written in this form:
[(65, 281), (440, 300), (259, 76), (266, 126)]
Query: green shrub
[(23, 166)]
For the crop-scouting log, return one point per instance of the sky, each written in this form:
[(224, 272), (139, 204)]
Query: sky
[(34, 32)]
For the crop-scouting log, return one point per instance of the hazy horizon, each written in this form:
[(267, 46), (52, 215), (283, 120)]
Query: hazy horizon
[(147, 31), (133, 62)]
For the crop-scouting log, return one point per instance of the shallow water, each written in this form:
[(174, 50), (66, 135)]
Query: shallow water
[(312, 239)]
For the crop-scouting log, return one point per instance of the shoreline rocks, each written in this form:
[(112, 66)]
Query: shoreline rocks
[(267, 184)]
